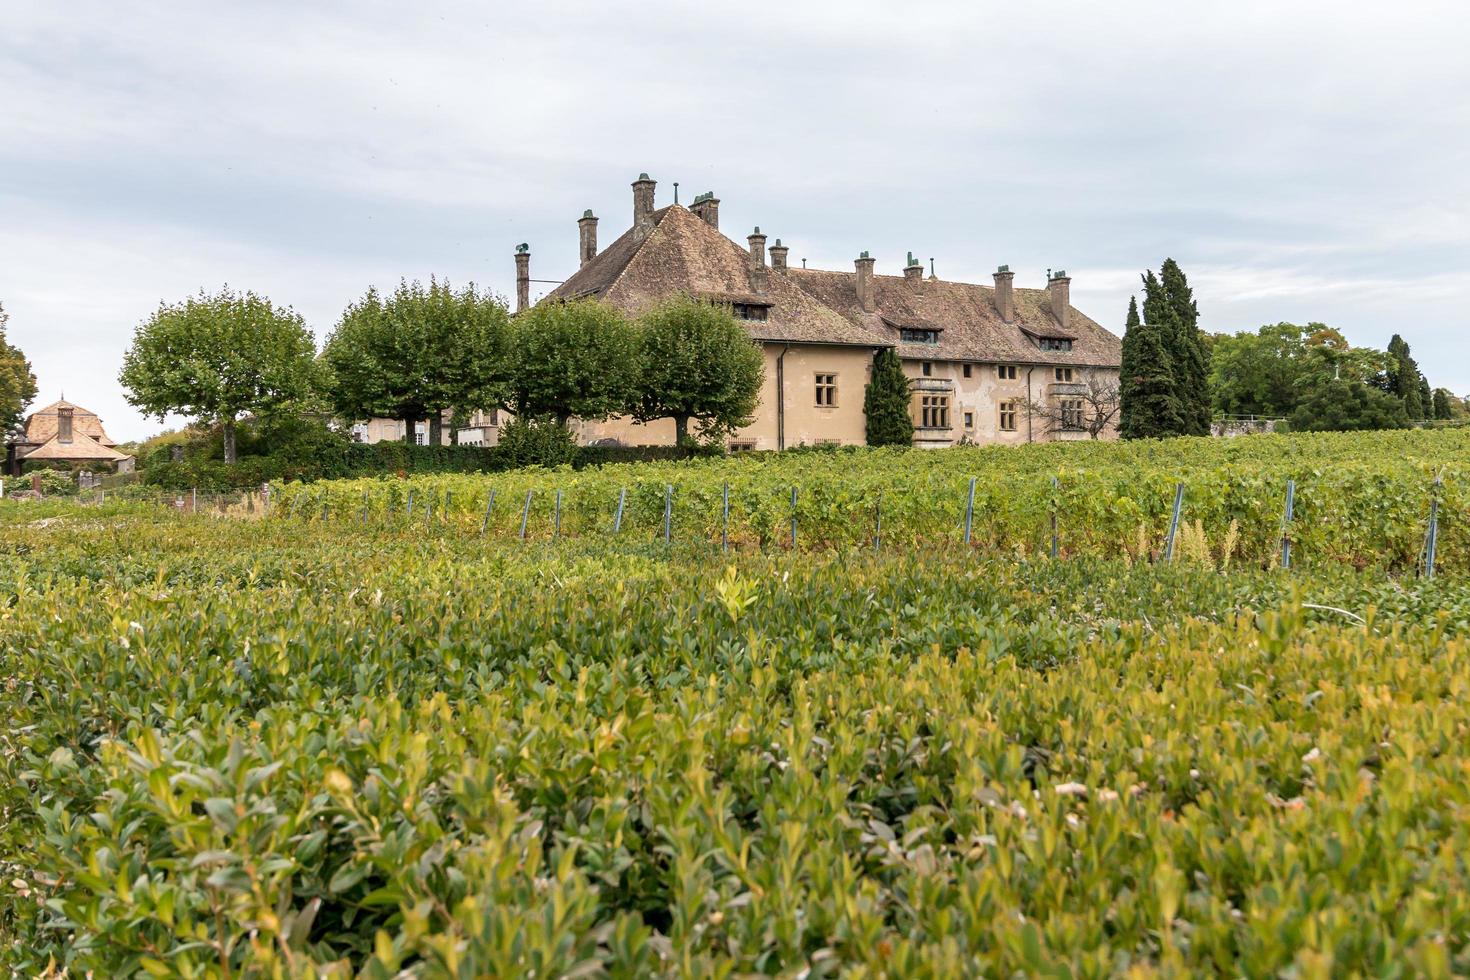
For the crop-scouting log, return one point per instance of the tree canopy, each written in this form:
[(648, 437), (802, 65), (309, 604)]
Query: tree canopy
[(1147, 376), (700, 365), (418, 352), (886, 402), (577, 359), (17, 381), (215, 357), (1340, 404)]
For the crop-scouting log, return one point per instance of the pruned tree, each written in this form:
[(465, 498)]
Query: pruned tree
[(572, 360), (698, 365), (17, 381), (217, 357), (417, 353), (886, 402), (1097, 406)]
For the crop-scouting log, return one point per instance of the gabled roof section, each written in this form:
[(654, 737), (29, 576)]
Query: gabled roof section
[(972, 329), (684, 253)]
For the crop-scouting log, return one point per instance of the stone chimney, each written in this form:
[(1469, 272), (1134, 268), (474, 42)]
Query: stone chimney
[(757, 250), (913, 271), (778, 255), (706, 207), (523, 276), (1059, 297), (1005, 300), (864, 264), (587, 232), (643, 204)]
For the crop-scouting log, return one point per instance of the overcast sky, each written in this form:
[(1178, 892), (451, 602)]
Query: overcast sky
[(1302, 161)]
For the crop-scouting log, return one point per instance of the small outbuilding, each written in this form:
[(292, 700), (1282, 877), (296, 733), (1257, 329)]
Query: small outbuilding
[(64, 433)]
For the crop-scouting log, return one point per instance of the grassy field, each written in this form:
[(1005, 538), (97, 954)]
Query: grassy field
[(301, 746)]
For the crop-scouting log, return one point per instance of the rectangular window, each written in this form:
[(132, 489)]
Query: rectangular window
[(969, 420), (1064, 374), (753, 312), (916, 336), (1071, 413), (927, 368), (742, 447), (967, 370), (421, 433), (1006, 372), (1008, 416), (1053, 343), (359, 432), (826, 390), (934, 412)]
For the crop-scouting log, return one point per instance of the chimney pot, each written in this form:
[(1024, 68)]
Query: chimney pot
[(523, 277), (1005, 300), (913, 271), (643, 204), (757, 250), (864, 264), (587, 233), (778, 255), (1059, 296), (707, 207)]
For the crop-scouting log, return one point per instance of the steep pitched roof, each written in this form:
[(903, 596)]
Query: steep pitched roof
[(81, 447), (44, 423), (966, 316), (684, 253)]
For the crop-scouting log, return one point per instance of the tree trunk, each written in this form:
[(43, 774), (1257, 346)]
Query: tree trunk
[(681, 430), (229, 440), (408, 424), (436, 428)]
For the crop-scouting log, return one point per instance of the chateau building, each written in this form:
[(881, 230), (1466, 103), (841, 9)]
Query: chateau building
[(977, 355)]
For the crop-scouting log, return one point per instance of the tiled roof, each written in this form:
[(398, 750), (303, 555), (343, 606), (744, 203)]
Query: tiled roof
[(965, 313), (44, 423), (684, 253), (80, 447)]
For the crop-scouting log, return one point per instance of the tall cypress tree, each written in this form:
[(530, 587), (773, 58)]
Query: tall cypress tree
[(1187, 344), (1148, 385), (1404, 379), (886, 402)]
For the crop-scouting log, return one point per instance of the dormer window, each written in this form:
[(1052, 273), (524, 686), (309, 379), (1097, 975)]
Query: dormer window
[(913, 336), (752, 312), (1053, 343)]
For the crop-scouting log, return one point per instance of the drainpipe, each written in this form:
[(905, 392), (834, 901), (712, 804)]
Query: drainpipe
[(781, 398), (1028, 401)]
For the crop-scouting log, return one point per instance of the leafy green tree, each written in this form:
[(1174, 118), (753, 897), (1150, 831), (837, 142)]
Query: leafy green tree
[(1444, 403), (17, 381), (886, 402), (573, 360), (1258, 373), (1147, 379), (698, 364), (1404, 379), (418, 352), (218, 357), (1190, 351), (1340, 405)]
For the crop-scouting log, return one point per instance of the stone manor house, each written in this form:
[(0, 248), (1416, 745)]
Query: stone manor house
[(976, 355)]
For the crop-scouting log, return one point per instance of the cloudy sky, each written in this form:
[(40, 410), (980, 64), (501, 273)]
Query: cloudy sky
[(1303, 161)]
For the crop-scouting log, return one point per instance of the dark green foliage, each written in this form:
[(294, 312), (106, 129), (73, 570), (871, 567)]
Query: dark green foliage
[(1259, 373), (17, 382), (1148, 384), (418, 352), (1191, 356), (1340, 405), (536, 442), (1405, 381), (697, 364), (886, 402), (1444, 402)]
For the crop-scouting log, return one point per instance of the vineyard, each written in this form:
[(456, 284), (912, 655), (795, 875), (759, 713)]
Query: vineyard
[(1358, 498), (318, 741)]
